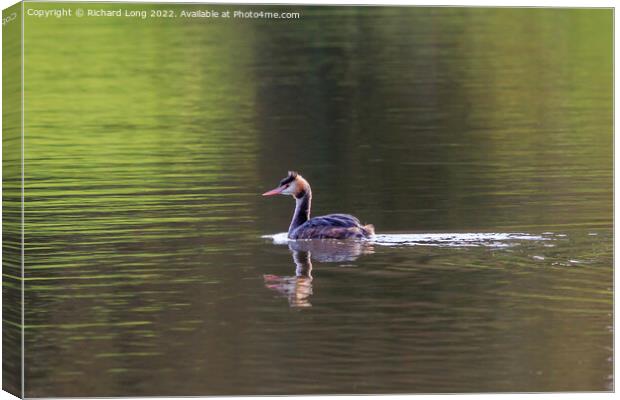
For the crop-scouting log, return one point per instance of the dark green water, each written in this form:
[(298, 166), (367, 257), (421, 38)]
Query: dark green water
[(148, 143)]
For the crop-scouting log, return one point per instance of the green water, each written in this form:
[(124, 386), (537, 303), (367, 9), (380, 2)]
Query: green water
[(148, 143)]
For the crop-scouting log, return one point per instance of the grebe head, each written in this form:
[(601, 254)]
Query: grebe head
[(293, 185)]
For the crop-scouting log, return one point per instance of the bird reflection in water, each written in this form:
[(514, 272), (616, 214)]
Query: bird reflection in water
[(298, 289)]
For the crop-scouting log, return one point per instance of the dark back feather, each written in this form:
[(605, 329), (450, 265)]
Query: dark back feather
[(332, 226)]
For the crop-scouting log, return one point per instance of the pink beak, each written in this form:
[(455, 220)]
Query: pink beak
[(275, 191)]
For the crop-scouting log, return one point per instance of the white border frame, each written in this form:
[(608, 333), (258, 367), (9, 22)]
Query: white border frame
[(453, 3)]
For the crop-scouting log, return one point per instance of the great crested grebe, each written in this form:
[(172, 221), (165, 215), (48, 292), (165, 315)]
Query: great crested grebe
[(332, 226)]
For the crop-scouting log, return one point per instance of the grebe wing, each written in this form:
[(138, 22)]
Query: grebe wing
[(339, 220), (332, 226)]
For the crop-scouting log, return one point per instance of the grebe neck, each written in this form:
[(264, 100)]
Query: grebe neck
[(302, 209)]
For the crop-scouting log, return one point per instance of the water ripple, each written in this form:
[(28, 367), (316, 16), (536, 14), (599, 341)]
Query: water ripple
[(438, 239)]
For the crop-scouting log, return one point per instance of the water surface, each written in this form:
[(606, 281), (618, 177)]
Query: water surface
[(477, 141)]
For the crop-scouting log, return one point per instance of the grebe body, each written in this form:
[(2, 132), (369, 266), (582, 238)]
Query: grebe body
[(332, 226)]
